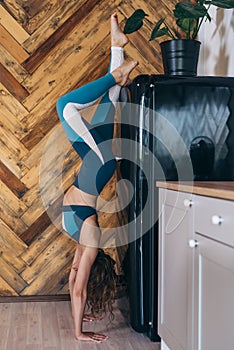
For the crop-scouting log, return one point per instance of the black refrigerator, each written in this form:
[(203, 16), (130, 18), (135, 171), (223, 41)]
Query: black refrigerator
[(181, 128)]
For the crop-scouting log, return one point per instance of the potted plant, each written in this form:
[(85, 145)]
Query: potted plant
[(180, 53)]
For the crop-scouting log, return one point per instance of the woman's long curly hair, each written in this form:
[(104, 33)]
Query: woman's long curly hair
[(101, 286)]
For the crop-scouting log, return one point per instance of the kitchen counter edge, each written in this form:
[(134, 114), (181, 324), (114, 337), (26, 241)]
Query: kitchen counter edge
[(217, 189)]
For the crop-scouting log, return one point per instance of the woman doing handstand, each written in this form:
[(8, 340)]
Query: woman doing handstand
[(92, 141)]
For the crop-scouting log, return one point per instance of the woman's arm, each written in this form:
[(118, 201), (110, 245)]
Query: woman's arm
[(80, 295), (73, 272)]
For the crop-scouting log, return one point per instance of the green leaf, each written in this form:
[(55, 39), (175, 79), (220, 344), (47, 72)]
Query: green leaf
[(225, 4), (186, 24), (208, 17), (187, 10), (158, 24), (139, 14), (158, 33), (134, 22), (156, 28)]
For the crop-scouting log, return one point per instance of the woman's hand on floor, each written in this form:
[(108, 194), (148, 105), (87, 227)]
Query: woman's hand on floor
[(91, 336)]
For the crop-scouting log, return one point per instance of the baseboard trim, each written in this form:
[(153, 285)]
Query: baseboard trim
[(34, 298)]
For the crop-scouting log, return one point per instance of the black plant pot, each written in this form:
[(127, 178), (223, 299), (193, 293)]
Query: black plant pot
[(180, 57)]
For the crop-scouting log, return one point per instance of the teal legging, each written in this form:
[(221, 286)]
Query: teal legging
[(91, 141)]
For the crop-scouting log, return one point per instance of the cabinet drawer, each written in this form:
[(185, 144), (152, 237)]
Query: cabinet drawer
[(176, 199), (214, 218)]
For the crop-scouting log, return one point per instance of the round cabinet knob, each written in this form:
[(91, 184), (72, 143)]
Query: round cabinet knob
[(188, 203), (216, 220), (193, 243)]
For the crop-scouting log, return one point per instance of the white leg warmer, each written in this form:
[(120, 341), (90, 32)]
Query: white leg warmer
[(117, 58)]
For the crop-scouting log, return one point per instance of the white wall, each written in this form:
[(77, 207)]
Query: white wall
[(217, 48)]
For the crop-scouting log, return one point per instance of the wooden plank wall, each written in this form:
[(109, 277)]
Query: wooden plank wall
[(46, 49)]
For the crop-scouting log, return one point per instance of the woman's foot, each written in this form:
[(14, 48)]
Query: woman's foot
[(118, 38), (121, 74)]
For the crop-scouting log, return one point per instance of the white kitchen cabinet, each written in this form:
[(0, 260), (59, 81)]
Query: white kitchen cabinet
[(214, 274), (196, 272), (175, 289)]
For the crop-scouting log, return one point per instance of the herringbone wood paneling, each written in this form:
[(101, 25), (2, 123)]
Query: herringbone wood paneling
[(46, 49)]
